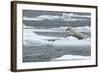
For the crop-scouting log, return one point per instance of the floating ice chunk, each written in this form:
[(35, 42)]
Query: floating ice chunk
[(27, 27), (34, 39), (63, 17), (72, 57), (71, 41), (72, 38), (31, 38)]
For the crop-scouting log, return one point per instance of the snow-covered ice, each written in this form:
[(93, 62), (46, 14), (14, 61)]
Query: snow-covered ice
[(30, 38), (71, 57)]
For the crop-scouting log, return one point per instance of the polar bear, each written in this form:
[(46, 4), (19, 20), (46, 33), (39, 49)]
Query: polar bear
[(76, 34)]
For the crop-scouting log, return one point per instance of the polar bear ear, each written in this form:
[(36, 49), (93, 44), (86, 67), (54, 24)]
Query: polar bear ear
[(68, 28)]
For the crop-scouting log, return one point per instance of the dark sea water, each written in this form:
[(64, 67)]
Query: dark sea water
[(52, 24), (47, 52)]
